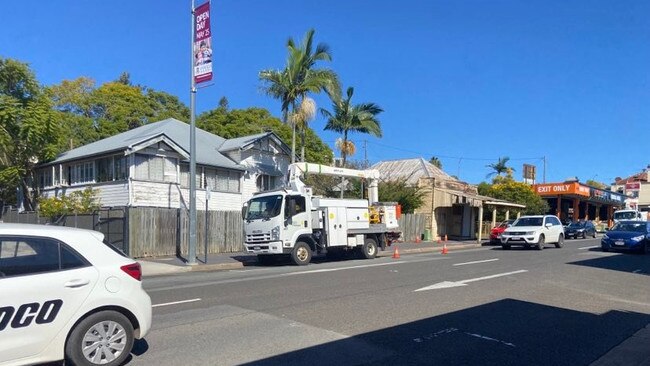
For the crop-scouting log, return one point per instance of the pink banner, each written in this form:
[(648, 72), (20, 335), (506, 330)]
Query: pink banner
[(202, 44)]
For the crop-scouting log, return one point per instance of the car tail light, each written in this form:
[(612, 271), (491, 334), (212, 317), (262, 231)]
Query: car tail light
[(134, 270)]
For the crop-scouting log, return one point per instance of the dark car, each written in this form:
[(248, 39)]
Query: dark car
[(580, 230), (628, 236)]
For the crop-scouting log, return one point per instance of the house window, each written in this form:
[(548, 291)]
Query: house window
[(82, 173), (222, 180), (155, 168), (105, 169), (45, 177), (121, 168), (266, 182), (57, 175), (185, 176)]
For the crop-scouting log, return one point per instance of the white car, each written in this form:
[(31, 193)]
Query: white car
[(534, 231), (64, 294)]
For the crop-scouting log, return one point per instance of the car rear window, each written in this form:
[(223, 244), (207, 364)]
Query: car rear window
[(115, 249)]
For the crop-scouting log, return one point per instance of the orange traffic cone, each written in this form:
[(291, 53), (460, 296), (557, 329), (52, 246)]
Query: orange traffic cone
[(418, 240), (438, 239), (444, 249), (396, 253), (445, 237)]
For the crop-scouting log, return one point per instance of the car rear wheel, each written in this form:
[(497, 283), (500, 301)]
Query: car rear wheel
[(560, 241), (103, 338), (540, 242)]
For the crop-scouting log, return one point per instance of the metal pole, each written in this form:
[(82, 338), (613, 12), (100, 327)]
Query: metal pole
[(191, 257), (544, 169)]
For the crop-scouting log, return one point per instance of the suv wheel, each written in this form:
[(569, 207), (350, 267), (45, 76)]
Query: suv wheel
[(540, 242), (560, 241)]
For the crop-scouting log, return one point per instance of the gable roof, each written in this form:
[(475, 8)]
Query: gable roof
[(638, 177), (246, 141), (411, 170), (207, 144)]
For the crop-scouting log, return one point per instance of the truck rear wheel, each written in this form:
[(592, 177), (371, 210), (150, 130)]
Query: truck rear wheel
[(369, 248), (301, 254)]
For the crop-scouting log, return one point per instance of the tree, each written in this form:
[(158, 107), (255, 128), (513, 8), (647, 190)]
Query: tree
[(500, 167), (436, 162), (346, 118), (28, 130), (241, 122), (409, 197), (518, 192), (593, 183), (298, 79), (78, 202)]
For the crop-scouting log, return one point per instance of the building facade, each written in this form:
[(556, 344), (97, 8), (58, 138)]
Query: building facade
[(149, 166)]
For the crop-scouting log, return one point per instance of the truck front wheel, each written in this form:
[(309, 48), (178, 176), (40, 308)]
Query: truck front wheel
[(369, 249), (301, 254)]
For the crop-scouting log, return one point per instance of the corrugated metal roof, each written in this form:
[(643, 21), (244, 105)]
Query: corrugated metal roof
[(410, 169), (207, 144)]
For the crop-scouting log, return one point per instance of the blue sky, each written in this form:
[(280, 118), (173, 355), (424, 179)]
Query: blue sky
[(468, 81)]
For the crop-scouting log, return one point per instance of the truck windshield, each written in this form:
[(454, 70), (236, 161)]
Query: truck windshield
[(264, 207), (625, 215)]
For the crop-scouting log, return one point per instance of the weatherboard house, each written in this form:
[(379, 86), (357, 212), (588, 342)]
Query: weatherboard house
[(149, 167)]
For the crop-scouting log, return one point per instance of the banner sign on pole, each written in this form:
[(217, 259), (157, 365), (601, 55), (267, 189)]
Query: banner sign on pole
[(202, 44)]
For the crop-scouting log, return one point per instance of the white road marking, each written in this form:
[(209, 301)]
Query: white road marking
[(489, 339), (341, 268), (448, 284), (175, 303), (475, 262), (590, 247)]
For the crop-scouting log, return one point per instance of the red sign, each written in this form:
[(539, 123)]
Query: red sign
[(202, 44), (632, 186)]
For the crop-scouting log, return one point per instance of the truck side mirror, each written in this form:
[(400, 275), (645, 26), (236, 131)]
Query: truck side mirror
[(244, 210)]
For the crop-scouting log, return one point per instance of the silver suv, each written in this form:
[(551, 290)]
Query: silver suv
[(534, 231)]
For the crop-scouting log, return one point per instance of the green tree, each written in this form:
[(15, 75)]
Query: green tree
[(597, 184), (298, 79), (241, 122), (518, 192), (346, 118), (436, 162), (78, 202), (28, 130), (409, 197), (500, 167)]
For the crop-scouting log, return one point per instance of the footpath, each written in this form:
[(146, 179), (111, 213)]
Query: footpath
[(161, 266)]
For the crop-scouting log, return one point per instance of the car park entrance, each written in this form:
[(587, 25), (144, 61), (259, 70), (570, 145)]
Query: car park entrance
[(574, 201)]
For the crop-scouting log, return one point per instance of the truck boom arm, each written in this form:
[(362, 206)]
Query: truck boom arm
[(296, 170)]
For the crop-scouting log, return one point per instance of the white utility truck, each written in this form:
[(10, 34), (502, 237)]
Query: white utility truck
[(629, 214), (291, 221)]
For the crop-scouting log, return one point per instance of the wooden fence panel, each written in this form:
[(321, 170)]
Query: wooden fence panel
[(152, 231), (412, 226)]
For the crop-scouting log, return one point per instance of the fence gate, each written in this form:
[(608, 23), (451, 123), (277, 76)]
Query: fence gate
[(112, 222)]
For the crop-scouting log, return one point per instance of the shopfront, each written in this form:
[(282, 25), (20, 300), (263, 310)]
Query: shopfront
[(574, 201)]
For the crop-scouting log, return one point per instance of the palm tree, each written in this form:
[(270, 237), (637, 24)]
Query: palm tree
[(500, 167), (299, 78), (346, 118)]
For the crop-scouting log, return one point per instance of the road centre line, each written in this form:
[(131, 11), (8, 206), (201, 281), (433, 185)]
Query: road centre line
[(175, 302), (590, 247), (476, 262)]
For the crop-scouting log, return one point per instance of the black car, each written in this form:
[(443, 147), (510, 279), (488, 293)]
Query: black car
[(580, 230)]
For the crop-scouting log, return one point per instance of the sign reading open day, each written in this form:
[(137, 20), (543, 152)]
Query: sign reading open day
[(202, 44)]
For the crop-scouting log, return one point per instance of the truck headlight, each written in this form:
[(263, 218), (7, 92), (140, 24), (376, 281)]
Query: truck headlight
[(275, 233)]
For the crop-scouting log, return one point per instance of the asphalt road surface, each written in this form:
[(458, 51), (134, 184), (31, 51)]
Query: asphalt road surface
[(486, 306)]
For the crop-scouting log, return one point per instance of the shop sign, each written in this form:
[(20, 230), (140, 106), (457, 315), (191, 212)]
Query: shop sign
[(554, 189)]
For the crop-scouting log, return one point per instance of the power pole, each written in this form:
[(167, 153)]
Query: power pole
[(365, 153), (191, 256), (544, 169)]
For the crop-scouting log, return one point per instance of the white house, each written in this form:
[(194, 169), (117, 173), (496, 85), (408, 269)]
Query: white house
[(149, 166)]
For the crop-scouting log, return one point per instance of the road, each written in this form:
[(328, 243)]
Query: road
[(486, 306)]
